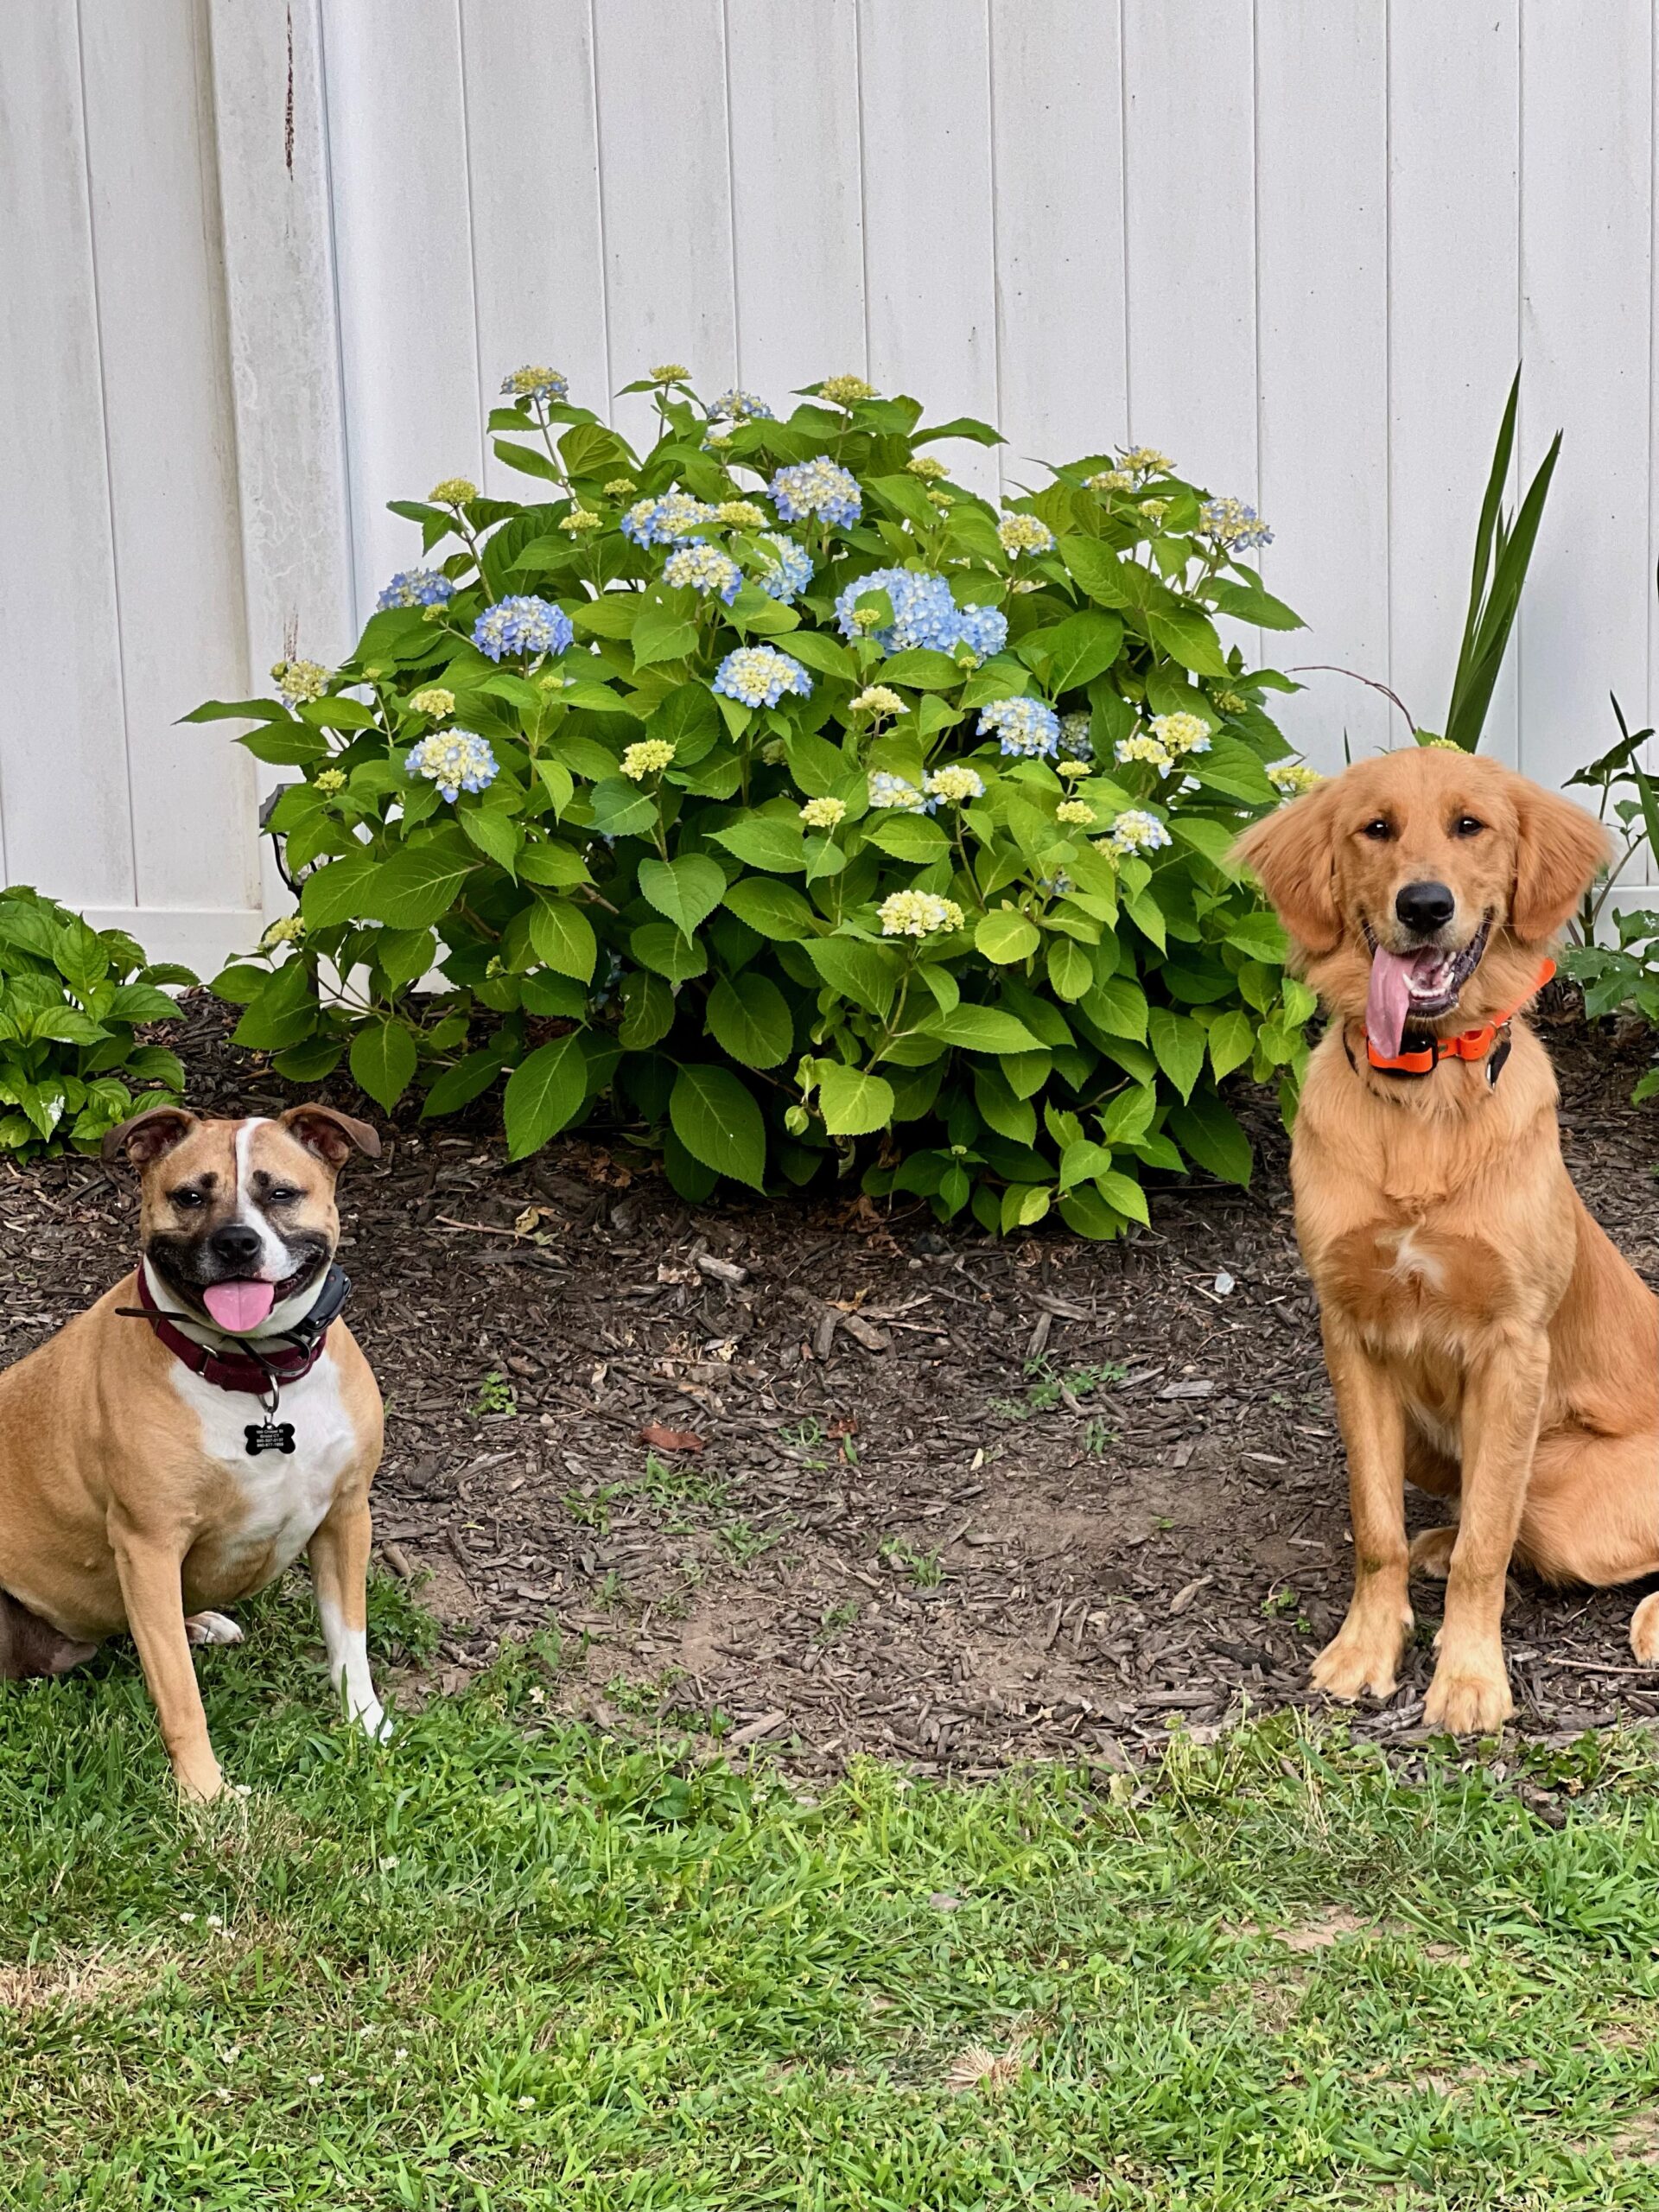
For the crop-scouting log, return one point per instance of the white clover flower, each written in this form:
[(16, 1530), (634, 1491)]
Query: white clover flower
[(954, 783), (1143, 747), (579, 520), (1181, 733), (877, 699), (435, 700), (741, 514), (1291, 778), (888, 790), (1024, 534), (824, 813), (453, 491), (918, 913), (1133, 832), (705, 568), (648, 758), (1075, 810), (299, 680), (926, 464), (846, 391)]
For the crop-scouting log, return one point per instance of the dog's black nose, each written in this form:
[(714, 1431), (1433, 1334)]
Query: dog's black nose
[(1425, 907), (236, 1245)]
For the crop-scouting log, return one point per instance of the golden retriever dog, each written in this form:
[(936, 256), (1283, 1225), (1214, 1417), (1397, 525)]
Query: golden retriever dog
[(1485, 1339)]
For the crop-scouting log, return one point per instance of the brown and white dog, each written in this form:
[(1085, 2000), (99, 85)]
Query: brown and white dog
[(176, 1446), (1485, 1339)]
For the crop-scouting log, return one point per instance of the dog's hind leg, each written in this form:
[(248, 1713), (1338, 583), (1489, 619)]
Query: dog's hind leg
[(30, 1646), (1431, 1553)]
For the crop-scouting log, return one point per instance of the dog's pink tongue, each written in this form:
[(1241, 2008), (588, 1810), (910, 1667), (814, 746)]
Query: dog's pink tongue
[(1387, 1001), (239, 1306)]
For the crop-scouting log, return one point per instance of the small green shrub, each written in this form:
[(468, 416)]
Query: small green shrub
[(784, 793), (70, 997)]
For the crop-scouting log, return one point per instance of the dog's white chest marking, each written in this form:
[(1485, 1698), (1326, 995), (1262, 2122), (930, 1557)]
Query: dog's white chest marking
[(283, 1495)]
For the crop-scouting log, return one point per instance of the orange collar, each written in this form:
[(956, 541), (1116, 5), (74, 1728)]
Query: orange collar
[(1467, 1045)]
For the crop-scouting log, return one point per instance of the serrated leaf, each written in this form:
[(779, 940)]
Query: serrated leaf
[(1005, 936), (647, 1011), (1209, 1134), (748, 1017), (1232, 1041), (419, 885), (715, 1117), (982, 1029), (544, 1093), (383, 1061), (686, 890), (775, 910), (1178, 1045), (853, 1103), (773, 841)]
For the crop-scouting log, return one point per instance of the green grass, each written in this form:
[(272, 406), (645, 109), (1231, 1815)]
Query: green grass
[(506, 1964)]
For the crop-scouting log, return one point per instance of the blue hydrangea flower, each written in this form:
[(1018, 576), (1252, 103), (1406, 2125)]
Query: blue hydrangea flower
[(417, 587), (663, 520), (534, 383), (924, 613), (523, 625), (1076, 743), (740, 406), (817, 487), (705, 568), (758, 676), (1022, 726), (455, 759), (1236, 526), (791, 572)]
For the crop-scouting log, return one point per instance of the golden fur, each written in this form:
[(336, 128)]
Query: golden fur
[(112, 1514), (1484, 1339)]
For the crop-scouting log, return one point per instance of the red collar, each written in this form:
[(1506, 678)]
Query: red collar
[(1467, 1045), (260, 1374)]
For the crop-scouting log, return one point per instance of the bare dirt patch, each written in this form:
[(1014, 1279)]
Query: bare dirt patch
[(959, 1502)]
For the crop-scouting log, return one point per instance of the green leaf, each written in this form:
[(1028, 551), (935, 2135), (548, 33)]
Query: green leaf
[(960, 426), (285, 744), (748, 1017), (921, 669), (1232, 1041), (830, 657), (1097, 569), (663, 631), (458, 1086), (686, 890), (982, 1029), (715, 1117), (1259, 935), (496, 835), (855, 1104), (335, 893), (562, 938), (1177, 1045), (544, 1093), (866, 974), (1188, 637), (82, 958), (283, 1013), (776, 910), (1076, 650), (1230, 768), (647, 1011), (907, 836), (383, 1061), (1005, 936), (237, 710), (1207, 1131), (1071, 970), (419, 885), (1250, 603), (553, 866), (658, 945), (766, 841), (621, 808), (1125, 1193), (140, 1002)]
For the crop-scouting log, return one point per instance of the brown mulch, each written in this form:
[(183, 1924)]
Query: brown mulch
[(909, 1492)]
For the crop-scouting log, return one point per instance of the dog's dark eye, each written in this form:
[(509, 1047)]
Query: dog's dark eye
[(1466, 826), (282, 1196), (1377, 830), (186, 1198)]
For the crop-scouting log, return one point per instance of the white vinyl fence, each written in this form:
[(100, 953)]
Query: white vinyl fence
[(266, 261)]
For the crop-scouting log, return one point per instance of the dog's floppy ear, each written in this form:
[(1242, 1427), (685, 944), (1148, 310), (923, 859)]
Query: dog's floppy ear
[(1559, 851), (1290, 851), (333, 1136), (146, 1136)]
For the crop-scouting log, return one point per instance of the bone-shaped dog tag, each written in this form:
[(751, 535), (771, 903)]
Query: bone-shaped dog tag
[(268, 1436)]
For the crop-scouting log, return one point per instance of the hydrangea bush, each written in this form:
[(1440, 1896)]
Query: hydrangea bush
[(787, 797)]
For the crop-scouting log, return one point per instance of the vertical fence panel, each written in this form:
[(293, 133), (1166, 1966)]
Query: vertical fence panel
[(1322, 240), (532, 135), (1190, 164), (666, 188), (1062, 341), (172, 448), (67, 818), (928, 227), (1587, 226), (402, 241), (797, 198), (1453, 291)]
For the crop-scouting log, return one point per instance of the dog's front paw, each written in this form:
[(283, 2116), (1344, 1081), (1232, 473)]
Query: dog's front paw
[(1644, 1632), (212, 1628), (1431, 1553), (1363, 1655), (1468, 1701), (374, 1721)]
